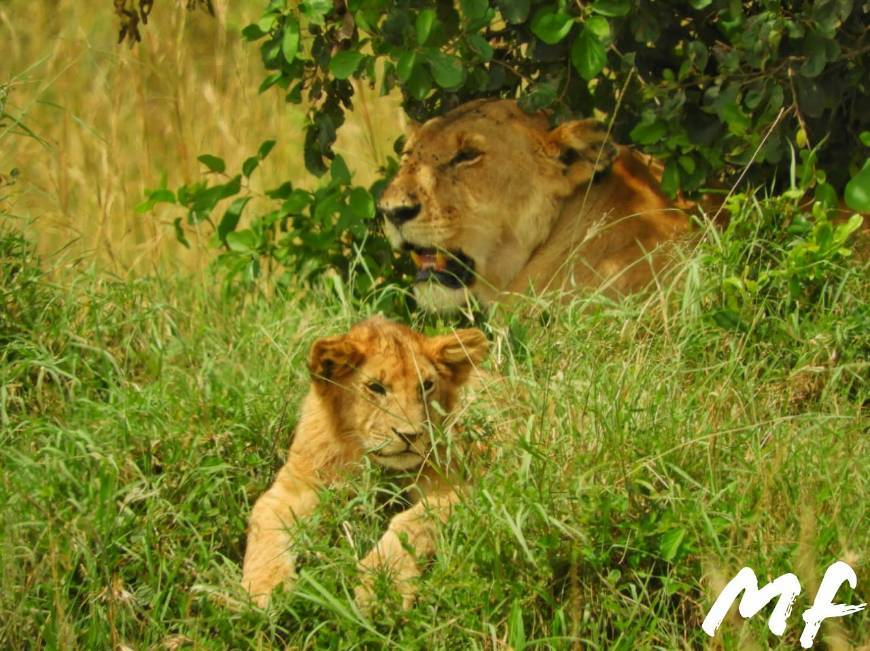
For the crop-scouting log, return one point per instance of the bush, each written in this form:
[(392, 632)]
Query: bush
[(718, 90), (698, 84)]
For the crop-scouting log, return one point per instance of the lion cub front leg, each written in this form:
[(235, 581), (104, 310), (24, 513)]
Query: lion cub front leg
[(417, 526), (268, 558)]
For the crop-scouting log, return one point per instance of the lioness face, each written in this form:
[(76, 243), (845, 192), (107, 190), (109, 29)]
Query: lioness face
[(383, 381), (478, 190)]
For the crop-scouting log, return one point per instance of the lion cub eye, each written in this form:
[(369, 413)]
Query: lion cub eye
[(428, 385), (466, 155), (377, 387)]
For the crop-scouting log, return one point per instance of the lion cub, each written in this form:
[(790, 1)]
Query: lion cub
[(372, 394)]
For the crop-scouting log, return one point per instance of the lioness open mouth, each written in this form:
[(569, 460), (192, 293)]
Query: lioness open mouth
[(452, 269)]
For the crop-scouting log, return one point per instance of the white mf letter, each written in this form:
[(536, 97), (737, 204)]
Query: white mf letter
[(823, 606), (787, 587)]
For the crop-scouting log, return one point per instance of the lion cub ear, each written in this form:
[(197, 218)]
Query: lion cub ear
[(459, 352), (333, 358), (583, 147)]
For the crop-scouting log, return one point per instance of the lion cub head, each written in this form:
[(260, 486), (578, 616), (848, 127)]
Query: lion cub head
[(381, 381), (479, 188)]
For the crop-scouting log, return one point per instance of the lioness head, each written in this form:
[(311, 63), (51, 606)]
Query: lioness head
[(381, 381), (478, 190)]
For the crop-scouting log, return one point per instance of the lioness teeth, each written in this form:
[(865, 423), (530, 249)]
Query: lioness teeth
[(426, 260)]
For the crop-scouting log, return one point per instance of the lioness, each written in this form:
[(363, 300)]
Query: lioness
[(372, 394), (489, 199)]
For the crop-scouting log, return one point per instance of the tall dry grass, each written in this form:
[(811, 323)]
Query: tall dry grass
[(113, 119)]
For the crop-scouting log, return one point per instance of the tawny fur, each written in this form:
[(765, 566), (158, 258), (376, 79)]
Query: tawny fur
[(539, 208), (372, 394)]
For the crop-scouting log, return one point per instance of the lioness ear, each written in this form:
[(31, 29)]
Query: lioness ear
[(459, 351), (583, 147), (332, 358)]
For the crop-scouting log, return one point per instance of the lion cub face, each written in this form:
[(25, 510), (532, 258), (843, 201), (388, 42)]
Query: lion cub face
[(381, 382), (479, 188)]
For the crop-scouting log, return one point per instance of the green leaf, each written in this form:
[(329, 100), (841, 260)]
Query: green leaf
[(671, 179), (827, 195), (738, 122), (312, 153), (296, 202), (865, 138), (481, 46), (815, 46), (281, 192), (267, 22), (843, 231), (338, 171), (295, 94), (670, 543), (540, 96), (253, 32), (516, 628), (700, 4), (179, 233), (551, 25), (420, 82), (270, 52), (153, 197), (649, 133), (231, 217), (425, 22), (474, 9), (250, 165), (514, 11), (588, 54), (857, 193), (205, 199), (447, 70), (242, 241), (361, 203), (270, 81), (687, 163), (315, 10), (213, 163), (265, 148), (345, 63), (405, 65), (599, 26), (290, 42), (612, 8)]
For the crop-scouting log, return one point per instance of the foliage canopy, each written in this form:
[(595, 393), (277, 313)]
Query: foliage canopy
[(704, 85)]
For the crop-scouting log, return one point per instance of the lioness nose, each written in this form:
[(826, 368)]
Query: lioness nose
[(407, 437), (402, 214)]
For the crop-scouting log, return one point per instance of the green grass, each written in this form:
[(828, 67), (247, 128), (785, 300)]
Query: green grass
[(635, 456)]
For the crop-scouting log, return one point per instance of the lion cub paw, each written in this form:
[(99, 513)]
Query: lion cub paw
[(366, 595), (387, 560)]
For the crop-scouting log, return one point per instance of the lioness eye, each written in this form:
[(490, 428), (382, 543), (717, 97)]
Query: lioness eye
[(377, 387), (465, 155), (428, 385)]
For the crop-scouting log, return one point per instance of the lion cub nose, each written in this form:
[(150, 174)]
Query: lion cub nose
[(407, 437), (402, 214)]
